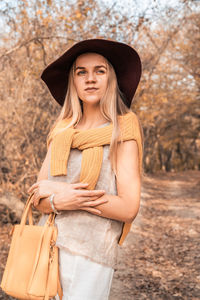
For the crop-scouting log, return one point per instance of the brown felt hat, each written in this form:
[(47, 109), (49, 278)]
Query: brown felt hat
[(124, 59)]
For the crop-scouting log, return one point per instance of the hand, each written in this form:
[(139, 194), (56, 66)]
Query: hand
[(44, 188), (68, 196), (76, 197)]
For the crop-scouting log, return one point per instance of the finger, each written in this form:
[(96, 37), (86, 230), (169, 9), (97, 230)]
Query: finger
[(32, 200), (33, 195), (36, 198), (79, 185), (35, 201), (95, 202), (92, 193), (34, 186), (90, 198), (83, 199)]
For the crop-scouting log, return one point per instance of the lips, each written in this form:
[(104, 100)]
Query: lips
[(91, 89)]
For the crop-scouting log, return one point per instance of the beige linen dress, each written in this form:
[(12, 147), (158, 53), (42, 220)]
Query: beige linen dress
[(86, 238)]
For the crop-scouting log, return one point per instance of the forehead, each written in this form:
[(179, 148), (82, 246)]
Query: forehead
[(87, 59)]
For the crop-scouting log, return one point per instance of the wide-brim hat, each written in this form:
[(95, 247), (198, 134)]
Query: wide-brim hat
[(124, 59)]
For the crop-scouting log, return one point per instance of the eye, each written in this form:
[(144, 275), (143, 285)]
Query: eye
[(81, 72), (101, 71)]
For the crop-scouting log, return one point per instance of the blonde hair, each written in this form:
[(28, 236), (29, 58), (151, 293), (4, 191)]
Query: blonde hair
[(111, 105)]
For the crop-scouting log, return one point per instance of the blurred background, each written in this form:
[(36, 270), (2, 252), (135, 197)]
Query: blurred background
[(166, 34)]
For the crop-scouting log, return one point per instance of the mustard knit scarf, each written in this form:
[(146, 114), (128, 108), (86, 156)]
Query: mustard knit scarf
[(91, 142)]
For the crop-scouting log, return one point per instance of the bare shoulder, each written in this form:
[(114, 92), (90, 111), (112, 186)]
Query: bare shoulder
[(130, 151), (127, 147)]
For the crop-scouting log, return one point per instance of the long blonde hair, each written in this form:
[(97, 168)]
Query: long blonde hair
[(111, 105)]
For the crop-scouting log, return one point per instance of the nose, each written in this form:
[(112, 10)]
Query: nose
[(91, 77)]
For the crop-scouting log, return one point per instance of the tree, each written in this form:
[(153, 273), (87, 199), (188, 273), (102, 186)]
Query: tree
[(165, 101)]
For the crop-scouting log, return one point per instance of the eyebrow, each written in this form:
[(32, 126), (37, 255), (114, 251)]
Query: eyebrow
[(96, 67)]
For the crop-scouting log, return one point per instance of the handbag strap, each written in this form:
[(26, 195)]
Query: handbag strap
[(30, 217), (27, 213), (60, 292)]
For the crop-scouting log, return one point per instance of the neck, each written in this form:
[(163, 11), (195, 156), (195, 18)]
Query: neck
[(92, 117)]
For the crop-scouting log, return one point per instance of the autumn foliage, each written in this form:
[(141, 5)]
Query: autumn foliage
[(36, 32)]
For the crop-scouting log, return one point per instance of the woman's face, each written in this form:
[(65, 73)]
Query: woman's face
[(91, 77)]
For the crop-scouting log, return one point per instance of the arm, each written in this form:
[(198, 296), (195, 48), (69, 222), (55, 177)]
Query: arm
[(44, 205), (124, 206), (72, 196)]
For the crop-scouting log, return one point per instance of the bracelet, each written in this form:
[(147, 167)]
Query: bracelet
[(52, 204)]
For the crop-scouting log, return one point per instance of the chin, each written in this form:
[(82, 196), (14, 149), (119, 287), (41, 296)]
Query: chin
[(91, 100)]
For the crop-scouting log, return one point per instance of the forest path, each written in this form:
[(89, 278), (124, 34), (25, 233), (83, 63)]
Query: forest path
[(161, 258)]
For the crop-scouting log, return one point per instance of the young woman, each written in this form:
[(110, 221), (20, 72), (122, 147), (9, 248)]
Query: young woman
[(91, 175)]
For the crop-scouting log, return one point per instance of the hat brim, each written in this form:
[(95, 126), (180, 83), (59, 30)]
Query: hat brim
[(124, 59)]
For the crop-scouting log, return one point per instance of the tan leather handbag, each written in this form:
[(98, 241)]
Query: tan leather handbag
[(31, 270)]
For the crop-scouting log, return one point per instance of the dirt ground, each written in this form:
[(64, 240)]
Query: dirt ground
[(160, 259)]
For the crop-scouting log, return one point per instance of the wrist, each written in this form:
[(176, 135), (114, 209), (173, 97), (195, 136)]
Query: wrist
[(53, 204), (56, 202)]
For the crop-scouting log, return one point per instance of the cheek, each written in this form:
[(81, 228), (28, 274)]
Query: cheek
[(104, 83), (78, 85)]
